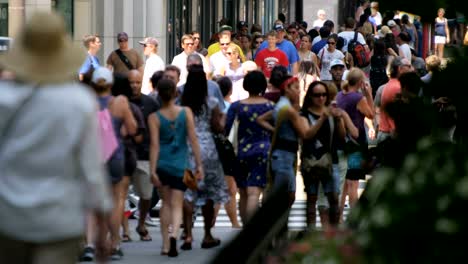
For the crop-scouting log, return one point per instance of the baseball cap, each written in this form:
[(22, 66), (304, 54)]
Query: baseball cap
[(102, 73), (122, 36), (336, 62), (391, 23), (225, 28), (278, 27), (242, 24), (149, 40)]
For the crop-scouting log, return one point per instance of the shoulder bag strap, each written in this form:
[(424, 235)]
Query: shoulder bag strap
[(14, 117), (124, 59)]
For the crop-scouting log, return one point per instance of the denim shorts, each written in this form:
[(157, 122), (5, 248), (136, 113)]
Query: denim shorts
[(330, 185), (283, 169)]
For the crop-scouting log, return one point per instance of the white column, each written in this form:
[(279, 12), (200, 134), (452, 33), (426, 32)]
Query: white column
[(16, 14), (127, 16), (109, 35), (82, 19), (156, 17)]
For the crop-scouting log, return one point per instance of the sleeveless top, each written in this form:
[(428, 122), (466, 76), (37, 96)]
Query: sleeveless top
[(440, 28), (173, 149), (348, 102), (117, 125), (286, 133), (234, 75)]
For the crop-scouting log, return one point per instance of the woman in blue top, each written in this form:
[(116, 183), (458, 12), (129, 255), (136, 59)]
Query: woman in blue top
[(253, 142), (123, 124), (170, 129), (290, 126), (441, 33)]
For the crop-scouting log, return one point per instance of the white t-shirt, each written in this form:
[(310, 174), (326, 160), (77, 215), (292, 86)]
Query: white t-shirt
[(318, 23), (181, 62), (378, 19), (348, 36), (326, 58), (153, 64), (405, 51), (218, 62), (316, 40)]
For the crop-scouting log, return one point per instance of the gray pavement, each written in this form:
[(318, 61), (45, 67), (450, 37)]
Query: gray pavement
[(139, 252)]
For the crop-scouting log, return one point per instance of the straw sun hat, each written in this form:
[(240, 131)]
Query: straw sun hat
[(43, 52)]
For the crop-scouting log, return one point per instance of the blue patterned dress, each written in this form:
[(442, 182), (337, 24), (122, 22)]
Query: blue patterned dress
[(254, 142), (213, 186)]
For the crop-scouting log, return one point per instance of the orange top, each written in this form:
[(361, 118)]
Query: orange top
[(389, 92)]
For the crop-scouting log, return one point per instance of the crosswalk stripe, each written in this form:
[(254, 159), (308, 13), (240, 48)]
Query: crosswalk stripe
[(296, 220)]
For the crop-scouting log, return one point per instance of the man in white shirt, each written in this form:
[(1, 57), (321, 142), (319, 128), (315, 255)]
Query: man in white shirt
[(349, 33), (404, 49), (321, 17), (218, 61), (181, 60), (153, 63)]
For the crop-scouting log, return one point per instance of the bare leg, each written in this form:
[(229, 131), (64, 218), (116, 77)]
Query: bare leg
[(208, 215), (177, 201), (243, 204), (125, 184), (116, 214), (165, 217), (188, 213), (253, 195), (231, 206), (353, 192), (90, 230), (143, 207)]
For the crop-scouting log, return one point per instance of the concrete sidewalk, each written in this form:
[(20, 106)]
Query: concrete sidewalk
[(138, 252)]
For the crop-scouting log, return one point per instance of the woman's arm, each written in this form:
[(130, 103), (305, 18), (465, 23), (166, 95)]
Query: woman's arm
[(192, 137), (350, 127), (447, 31), (339, 121), (366, 104), (230, 117), (301, 125), (370, 125), (153, 125), (264, 121)]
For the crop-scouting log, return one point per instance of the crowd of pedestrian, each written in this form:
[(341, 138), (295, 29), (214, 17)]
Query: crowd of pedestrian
[(234, 118)]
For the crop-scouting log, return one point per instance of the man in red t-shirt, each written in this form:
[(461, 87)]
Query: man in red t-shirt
[(268, 58), (391, 89)]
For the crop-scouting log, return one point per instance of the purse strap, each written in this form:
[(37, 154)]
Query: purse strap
[(12, 119), (312, 120)]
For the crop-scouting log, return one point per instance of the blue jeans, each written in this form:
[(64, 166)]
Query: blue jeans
[(283, 169)]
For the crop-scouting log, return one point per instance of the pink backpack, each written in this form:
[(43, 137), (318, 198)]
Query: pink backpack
[(107, 136)]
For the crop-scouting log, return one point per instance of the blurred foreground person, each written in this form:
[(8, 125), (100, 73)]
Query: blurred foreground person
[(49, 159)]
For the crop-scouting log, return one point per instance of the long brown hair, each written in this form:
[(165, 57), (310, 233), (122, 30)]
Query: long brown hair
[(310, 92)]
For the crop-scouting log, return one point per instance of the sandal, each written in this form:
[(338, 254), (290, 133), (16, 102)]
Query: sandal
[(126, 238), (187, 245), (144, 236), (210, 244)]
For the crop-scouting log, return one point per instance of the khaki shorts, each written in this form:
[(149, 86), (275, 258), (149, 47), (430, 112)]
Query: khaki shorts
[(141, 180)]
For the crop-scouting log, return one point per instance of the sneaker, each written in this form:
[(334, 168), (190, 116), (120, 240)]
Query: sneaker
[(148, 221), (116, 254), (88, 254)]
